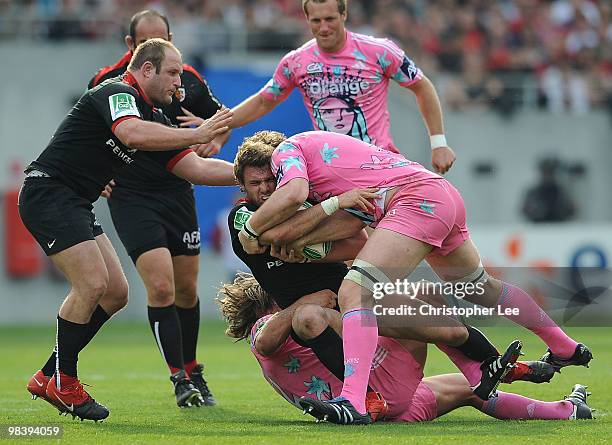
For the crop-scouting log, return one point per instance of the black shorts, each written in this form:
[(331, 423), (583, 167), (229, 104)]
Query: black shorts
[(55, 215), (147, 221)]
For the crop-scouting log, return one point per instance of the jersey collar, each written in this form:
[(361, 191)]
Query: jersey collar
[(131, 80)]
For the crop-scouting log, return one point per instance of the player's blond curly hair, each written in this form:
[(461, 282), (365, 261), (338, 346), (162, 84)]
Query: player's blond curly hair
[(256, 151), (242, 303)]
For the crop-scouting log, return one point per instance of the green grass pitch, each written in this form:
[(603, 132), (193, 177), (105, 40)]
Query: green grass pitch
[(126, 373)]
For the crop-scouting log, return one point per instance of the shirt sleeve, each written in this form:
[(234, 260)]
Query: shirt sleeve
[(397, 66), (280, 86), (115, 103), (288, 162)]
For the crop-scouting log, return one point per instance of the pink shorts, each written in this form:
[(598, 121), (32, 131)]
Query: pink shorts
[(431, 211), (396, 375), (423, 408)]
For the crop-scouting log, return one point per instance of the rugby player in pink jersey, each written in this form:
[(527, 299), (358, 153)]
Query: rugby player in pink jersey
[(402, 394), (344, 80), (418, 215)]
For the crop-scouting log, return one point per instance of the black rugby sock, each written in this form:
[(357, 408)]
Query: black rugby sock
[(98, 318), (166, 329), (477, 346), (69, 340), (190, 327)]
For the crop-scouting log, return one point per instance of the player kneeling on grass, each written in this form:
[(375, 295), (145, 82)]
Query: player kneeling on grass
[(404, 395)]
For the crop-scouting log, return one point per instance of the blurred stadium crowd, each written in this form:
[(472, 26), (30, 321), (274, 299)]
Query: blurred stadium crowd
[(502, 54)]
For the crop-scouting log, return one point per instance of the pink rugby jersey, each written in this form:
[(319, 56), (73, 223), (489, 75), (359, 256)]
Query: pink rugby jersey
[(335, 163), (295, 371), (346, 92)]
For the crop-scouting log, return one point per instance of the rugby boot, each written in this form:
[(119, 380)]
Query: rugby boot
[(376, 405), (187, 395), (72, 399), (197, 378), (578, 397), (37, 387), (582, 356), (533, 371), (338, 410), (494, 370)]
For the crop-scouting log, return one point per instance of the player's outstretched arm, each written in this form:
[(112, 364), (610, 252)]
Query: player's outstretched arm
[(151, 136), (442, 157), (251, 110), (276, 330), (202, 171)]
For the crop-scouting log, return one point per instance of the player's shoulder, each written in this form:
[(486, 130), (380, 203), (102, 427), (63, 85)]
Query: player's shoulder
[(239, 214), (366, 41), (113, 85), (303, 50), (110, 71), (189, 72)]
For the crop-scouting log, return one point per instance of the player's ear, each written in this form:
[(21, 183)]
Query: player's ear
[(129, 42), (148, 69), (170, 37)]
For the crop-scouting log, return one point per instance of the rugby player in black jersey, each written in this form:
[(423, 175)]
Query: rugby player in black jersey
[(155, 217), (114, 125)]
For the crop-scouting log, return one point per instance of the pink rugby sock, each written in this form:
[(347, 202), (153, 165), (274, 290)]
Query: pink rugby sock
[(534, 318), (359, 339), (468, 367), (513, 406)]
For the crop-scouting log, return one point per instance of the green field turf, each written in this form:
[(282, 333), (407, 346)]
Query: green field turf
[(126, 373)]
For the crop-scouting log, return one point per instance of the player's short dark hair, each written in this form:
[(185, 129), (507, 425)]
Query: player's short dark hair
[(342, 5), (242, 303), (154, 51), (256, 151), (147, 13)]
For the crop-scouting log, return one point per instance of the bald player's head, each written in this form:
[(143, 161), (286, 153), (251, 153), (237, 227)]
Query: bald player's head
[(145, 25)]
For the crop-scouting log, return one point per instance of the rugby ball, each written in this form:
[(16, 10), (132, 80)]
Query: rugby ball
[(315, 251)]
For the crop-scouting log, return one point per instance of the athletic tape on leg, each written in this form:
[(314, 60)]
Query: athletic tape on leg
[(480, 275), (366, 275)]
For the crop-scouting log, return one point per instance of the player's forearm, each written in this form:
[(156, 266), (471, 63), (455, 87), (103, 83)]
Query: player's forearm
[(295, 227), (275, 331), (346, 249), (280, 206), (429, 106), (151, 136), (340, 225), (206, 171), (250, 110)]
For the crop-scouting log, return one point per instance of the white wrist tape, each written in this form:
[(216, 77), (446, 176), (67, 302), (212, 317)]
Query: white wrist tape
[(331, 205), (249, 230), (437, 141)]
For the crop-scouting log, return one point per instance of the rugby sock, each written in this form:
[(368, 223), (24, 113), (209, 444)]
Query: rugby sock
[(514, 406), (68, 344), (477, 346), (327, 346), (534, 318), (360, 338), (98, 318), (190, 327), (166, 329), (468, 367)]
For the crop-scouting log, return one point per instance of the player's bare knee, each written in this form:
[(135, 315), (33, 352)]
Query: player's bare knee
[(116, 297), (456, 335), (93, 288), (161, 293), (309, 321), (186, 295)]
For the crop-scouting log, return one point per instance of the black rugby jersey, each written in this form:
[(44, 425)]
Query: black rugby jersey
[(285, 282), (85, 154), (194, 95)]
